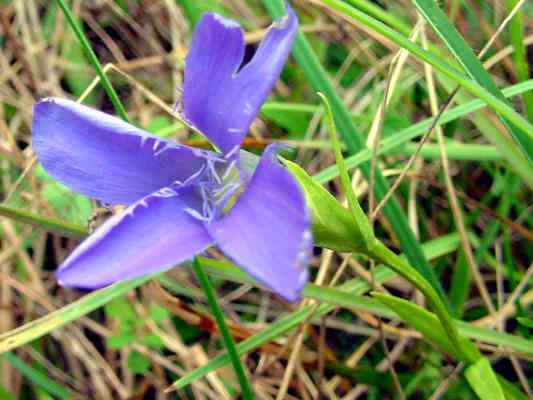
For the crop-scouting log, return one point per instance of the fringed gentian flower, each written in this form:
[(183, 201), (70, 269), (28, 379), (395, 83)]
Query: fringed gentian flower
[(182, 200)]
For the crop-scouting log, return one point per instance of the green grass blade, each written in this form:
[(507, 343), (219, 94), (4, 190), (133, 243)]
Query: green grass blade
[(246, 388), (464, 54), (50, 224), (37, 377), (319, 80), (94, 60), (516, 29)]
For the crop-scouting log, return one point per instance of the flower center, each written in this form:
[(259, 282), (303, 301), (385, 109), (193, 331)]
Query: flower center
[(219, 183)]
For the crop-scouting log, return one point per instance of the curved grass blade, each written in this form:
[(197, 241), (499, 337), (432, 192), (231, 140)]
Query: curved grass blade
[(358, 214)]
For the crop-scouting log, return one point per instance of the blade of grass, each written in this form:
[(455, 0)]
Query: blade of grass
[(246, 388), (354, 141), (50, 224), (37, 377), (464, 54), (516, 29), (94, 60)]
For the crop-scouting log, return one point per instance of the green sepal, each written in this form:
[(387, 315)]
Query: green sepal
[(333, 225)]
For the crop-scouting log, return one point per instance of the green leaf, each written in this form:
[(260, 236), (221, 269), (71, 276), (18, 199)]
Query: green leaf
[(120, 340), (293, 122), (159, 313), (424, 322), (511, 391), (121, 309), (333, 225), (153, 341), (483, 380), (138, 363), (51, 224), (68, 205), (158, 123), (4, 394)]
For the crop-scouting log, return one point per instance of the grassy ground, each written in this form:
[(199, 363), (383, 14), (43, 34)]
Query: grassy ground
[(392, 70)]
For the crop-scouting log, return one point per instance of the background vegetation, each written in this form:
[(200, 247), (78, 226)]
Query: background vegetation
[(392, 71)]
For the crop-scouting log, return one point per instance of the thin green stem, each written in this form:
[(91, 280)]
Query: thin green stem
[(94, 61), (383, 254), (246, 389)]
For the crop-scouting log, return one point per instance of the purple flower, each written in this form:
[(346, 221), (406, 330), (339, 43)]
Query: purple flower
[(182, 200)]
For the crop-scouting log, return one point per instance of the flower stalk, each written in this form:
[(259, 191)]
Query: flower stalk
[(246, 389)]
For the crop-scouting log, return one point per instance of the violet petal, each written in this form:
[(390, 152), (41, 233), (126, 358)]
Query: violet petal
[(100, 156), (267, 231), (152, 235), (218, 100)]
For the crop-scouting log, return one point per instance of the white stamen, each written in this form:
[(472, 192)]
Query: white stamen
[(195, 214), (232, 152), (229, 170)]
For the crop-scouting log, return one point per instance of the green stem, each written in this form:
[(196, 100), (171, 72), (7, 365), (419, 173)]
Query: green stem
[(246, 389), (383, 254), (94, 61)]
